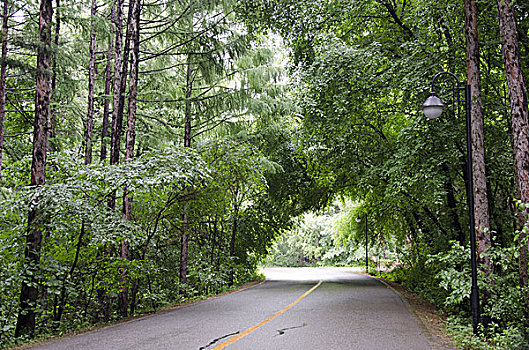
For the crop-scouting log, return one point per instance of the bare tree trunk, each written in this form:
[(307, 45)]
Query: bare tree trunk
[(29, 293), (481, 204), (89, 128), (3, 70), (520, 126)]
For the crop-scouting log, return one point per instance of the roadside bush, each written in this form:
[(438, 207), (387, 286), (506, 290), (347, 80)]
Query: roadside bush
[(419, 278), (500, 293)]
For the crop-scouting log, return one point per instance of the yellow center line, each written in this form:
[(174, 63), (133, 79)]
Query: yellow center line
[(251, 329)]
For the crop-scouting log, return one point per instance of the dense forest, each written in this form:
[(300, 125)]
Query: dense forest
[(152, 151)]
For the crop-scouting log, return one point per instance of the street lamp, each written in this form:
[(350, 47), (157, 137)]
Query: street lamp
[(358, 220), (432, 108)]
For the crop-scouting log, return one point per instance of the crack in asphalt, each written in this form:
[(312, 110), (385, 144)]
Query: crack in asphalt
[(217, 339), (282, 330)]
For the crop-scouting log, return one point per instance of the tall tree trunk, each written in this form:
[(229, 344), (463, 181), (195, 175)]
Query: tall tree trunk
[(117, 121), (520, 126), (188, 112), (101, 295), (106, 103), (3, 70), (481, 204), (124, 69), (89, 127), (119, 91), (51, 121), (133, 80), (116, 19), (28, 294), (187, 143), (106, 110), (133, 30)]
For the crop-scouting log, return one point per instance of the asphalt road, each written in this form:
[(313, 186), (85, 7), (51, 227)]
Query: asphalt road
[(291, 310)]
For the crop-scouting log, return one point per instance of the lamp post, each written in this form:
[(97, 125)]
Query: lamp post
[(432, 108), (358, 220)]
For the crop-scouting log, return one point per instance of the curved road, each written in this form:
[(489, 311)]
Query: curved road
[(291, 310)]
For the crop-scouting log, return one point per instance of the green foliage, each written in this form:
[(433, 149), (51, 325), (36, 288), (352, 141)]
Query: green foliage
[(503, 302), (507, 338), (82, 235)]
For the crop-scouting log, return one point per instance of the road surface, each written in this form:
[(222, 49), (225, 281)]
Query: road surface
[(296, 308)]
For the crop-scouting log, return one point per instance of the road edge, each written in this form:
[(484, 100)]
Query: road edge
[(435, 342), (168, 308)]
